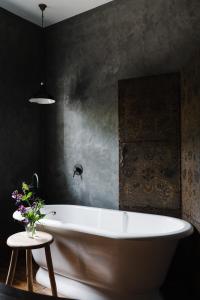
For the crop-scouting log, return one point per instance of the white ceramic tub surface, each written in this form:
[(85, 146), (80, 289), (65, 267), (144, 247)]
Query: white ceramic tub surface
[(101, 254)]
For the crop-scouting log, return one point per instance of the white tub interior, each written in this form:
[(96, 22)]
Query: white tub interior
[(112, 223)]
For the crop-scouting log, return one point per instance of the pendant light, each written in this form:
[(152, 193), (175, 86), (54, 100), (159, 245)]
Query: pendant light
[(42, 96)]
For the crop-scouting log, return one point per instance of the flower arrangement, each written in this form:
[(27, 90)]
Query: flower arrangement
[(29, 208)]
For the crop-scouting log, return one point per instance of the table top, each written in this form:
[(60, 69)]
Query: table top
[(21, 240)]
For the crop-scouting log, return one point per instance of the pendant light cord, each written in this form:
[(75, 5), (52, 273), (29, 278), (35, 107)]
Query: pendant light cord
[(44, 51), (42, 19), (42, 8)]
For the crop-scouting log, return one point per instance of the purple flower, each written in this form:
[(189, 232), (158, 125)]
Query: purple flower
[(22, 209), (14, 194), (19, 197)]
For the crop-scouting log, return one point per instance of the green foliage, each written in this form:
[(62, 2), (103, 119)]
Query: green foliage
[(33, 215), (29, 204), (25, 187), (27, 196)]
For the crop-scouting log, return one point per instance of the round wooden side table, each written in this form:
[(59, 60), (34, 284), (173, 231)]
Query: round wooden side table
[(21, 240)]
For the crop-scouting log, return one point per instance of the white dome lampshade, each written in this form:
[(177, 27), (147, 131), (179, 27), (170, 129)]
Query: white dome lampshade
[(42, 97)]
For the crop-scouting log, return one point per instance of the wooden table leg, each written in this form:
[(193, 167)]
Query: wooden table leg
[(29, 270), (50, 270), (12, 267)]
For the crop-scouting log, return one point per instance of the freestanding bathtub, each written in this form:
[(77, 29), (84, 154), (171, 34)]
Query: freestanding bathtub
[(101, 254)]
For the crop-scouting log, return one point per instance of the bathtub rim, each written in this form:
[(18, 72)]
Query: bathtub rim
[(187, 229)]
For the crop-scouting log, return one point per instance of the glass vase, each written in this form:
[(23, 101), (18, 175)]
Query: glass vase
[(31, 230)]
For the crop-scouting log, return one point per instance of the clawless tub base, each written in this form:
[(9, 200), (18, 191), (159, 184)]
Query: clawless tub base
[(77, 290)]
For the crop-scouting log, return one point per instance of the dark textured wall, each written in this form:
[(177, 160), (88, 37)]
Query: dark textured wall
[(86, 57), (190, 160), (191, 141), (19, 120)]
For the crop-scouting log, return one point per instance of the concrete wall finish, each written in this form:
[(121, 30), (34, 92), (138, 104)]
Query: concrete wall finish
[(86, 57)]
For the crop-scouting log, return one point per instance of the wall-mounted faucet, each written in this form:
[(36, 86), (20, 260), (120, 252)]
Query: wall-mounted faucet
[(35, 182), (78, 170)]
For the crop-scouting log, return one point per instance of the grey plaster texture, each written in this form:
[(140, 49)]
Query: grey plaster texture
[(86, 57)]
